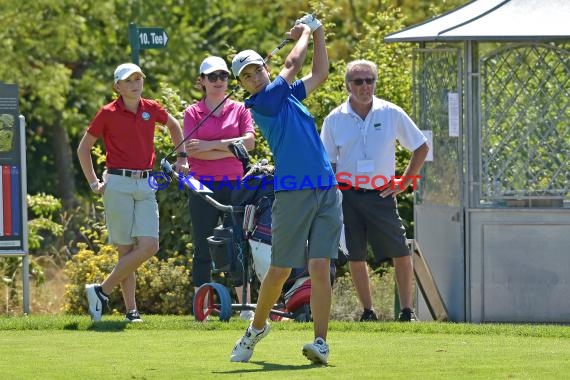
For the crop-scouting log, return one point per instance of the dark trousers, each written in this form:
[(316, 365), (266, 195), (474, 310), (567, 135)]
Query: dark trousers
[(204, 219)]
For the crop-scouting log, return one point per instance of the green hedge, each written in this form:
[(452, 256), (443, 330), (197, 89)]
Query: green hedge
[(163, 286)]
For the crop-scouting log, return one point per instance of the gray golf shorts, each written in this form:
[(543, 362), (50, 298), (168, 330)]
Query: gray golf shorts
[(305, 221)]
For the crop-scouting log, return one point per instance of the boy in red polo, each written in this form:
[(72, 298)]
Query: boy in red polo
[(127, 127)]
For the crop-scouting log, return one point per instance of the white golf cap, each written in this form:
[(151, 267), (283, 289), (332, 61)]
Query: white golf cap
[(211, 64), (125, 70), (244, 58)]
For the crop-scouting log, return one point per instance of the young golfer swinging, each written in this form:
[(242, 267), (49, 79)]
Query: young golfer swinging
[(305, 216)]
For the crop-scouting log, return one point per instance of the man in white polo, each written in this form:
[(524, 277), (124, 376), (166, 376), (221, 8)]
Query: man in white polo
[(360, 139)]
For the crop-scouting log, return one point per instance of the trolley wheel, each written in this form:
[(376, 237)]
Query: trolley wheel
[(212, 298)]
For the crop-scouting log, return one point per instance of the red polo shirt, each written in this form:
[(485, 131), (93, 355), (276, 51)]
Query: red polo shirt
[(128, 137)]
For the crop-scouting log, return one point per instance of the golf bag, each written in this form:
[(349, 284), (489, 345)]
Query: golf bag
[(256, 195)]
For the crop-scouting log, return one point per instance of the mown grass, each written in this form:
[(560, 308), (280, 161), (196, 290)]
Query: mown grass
[(177, 347), (187, 323), (55, 346)]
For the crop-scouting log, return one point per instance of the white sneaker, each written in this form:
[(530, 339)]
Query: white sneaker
[(244, 346), (317, 352), (247, 315), (96, 300)]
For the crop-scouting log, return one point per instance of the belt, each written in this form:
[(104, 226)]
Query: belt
[(346, 186), (135, 174)]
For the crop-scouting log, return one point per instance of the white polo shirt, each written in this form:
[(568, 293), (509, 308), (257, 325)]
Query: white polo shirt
[(368, 147)]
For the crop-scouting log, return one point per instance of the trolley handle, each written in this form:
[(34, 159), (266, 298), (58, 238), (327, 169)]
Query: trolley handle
[(198, 188)]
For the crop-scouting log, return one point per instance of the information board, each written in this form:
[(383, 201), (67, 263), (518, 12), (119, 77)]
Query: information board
[(13, 212)]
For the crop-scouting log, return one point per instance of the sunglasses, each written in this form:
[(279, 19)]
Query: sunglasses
[(213, 77), (360, 81)]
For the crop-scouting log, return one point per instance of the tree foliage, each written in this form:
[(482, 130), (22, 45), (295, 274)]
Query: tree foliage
[(62, 53)]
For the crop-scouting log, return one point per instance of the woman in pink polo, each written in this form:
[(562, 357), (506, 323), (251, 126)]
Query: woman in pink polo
[(211, 161)]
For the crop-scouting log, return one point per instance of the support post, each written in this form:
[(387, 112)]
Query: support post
[(134, 41)]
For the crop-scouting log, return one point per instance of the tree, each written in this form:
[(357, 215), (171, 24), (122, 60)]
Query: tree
[(61, 54), (55, 54)]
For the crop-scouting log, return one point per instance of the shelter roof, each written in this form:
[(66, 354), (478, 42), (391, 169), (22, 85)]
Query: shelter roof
[(494, 20)]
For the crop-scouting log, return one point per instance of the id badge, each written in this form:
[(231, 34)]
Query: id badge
[(365, 166)]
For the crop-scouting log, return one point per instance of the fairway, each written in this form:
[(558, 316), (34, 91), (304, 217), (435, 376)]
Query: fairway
[(179, 348)]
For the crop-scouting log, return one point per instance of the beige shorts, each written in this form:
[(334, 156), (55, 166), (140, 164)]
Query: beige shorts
[(131, 209)]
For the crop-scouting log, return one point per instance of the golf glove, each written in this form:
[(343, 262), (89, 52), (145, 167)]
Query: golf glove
[(311, 21)]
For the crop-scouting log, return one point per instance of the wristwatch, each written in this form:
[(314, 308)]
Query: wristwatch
[(181, 154)]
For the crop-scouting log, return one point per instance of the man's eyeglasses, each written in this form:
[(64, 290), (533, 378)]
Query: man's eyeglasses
[(213, 77), (361, 81)]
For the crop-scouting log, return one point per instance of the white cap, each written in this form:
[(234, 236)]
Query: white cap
[(244, 58), (125, 70), (211, 64)]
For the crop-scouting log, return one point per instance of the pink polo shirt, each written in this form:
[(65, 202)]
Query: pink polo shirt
[(234, 121)]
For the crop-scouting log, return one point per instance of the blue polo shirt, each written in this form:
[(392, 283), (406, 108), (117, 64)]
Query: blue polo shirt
[(289, 128)]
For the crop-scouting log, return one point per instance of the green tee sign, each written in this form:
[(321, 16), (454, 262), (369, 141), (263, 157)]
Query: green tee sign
[(152, 38), (145, 38)]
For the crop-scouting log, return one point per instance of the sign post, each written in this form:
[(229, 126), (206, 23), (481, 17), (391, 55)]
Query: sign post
[(145, 38)]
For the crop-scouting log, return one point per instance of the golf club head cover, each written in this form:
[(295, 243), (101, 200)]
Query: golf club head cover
[(239, 150), (311, 21)]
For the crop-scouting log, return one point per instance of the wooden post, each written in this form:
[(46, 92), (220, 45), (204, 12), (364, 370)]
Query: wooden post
[(427, 285)]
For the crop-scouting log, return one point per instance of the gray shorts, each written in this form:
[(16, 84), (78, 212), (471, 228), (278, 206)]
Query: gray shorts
[(130, 209), (369, 218), (304, 219)]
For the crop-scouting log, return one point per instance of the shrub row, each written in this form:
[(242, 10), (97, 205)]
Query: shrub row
[(163, 286)]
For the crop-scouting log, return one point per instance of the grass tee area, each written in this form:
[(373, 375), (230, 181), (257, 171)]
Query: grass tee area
[(177, 347)]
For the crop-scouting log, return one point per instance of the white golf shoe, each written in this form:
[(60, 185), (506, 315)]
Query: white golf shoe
[(317, 352), (96, 300), (244, 346)]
